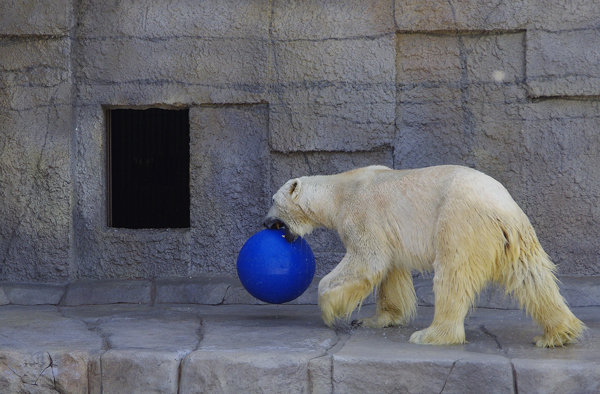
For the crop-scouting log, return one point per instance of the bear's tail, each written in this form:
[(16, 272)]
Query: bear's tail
[(528, 274)]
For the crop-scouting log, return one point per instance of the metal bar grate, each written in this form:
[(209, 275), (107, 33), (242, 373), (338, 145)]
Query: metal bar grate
[(149, 161)]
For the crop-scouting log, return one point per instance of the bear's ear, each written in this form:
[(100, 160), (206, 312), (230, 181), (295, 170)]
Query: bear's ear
[(294, 189)]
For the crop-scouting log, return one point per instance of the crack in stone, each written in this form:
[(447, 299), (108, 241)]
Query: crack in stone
[(514, 373), (45, 369), (342, 338), (199, 333), (448, 376), (491, 335), (91, 326)]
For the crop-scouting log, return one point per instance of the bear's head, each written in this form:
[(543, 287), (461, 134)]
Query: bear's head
[(289, 211)]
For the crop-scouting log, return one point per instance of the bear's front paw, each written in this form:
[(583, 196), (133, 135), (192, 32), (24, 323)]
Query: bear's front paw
[(381, 320), (439, 336)]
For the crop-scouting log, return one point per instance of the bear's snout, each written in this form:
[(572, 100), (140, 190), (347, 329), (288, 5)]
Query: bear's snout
[(276, 224), (273, 223)]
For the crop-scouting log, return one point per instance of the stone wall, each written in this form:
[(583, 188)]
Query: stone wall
[(278, 89)]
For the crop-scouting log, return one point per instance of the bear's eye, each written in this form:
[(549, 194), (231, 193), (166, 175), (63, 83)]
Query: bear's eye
[(293, 187)]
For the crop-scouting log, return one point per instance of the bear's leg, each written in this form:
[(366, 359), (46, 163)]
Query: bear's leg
[(455, 285), (451, 307), (347, 285), (528, 274), (396, 301), (538, 292)]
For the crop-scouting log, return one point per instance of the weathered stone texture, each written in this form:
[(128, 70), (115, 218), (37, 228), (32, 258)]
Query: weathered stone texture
[(277, 348), (562, 144), (331, 94), (226, 143), (278, 89), (140, 371), (44, 352), (563, 63), (187, 61), (562, 15), (315, 20), (108, 292), (188, 18), (258, 372), (545, 376), (431, 15), (459, 99), (391, 371), (35, 176), (32, 17), (33, 294)]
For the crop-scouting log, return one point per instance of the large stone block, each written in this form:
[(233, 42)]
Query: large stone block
[(26, 372), (44, 328), (33, 294), (407, 368), (36, 122), (151, 18), (563, 63), (240, 371), (201, 63), (495, 58), (561, 141), (431, 15), (31, 17), (330, 94), (42, 351), (240, 356), (35, 73), (170, 332), (98, 292), (559, 15), (459, 101), (429, 110), (209, 290), (568, 376), (229, 179), (140, 371), (315, 19), (428, 58)]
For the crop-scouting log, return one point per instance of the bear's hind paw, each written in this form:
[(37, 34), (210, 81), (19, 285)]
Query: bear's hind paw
[(544, 341)]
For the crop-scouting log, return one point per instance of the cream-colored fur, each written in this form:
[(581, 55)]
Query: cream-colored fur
[(453, 220)]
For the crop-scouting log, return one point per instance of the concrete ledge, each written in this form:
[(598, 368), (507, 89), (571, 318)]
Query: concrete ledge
[(186, 348), (100, 292), (32, 294), (227, 290)]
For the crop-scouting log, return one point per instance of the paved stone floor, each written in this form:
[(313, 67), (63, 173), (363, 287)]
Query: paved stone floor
[(187, 348)]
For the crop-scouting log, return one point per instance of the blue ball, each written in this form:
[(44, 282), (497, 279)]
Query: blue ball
[(273, 269)]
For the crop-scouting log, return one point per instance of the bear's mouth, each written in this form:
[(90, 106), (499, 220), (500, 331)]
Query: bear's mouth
[(276, 224)]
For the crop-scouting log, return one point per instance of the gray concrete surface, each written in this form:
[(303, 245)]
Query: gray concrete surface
[(175, 348), (207, 335)]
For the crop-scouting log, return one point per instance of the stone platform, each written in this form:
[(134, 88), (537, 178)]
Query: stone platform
[(107, 337)]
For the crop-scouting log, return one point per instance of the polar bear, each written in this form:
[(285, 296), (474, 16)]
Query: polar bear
[(452, 220)]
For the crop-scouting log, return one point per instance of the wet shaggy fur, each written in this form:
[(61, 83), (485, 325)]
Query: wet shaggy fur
[(455, 221)]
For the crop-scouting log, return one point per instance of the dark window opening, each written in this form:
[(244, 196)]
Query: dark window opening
[(148, 168)]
